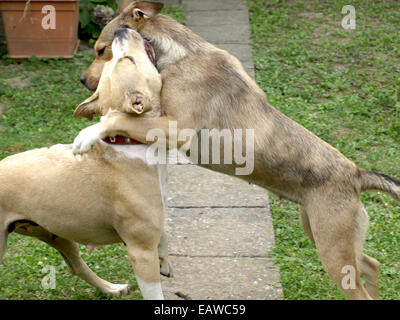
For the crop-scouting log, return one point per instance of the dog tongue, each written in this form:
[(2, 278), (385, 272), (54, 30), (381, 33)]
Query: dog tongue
[(150, 51)]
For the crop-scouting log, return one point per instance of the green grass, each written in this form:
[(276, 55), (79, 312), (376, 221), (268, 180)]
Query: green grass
[(175, 11), (38, 98), (343, 85)]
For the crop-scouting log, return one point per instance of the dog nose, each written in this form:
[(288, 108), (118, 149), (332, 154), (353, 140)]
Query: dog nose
[(122, 33), (83, 80)]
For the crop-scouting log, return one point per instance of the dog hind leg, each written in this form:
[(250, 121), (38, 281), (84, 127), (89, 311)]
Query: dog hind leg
[(305, 223), (370, 271), (369, 266), (69, 250), (338, 235)]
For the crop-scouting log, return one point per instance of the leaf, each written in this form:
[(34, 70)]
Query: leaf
[(83, 4), (84, 18)]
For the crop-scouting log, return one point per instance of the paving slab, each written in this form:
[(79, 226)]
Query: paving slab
[(251, 72), (194, 186), (200, 278), (167, 2), (217, 18), (208, 5), (219, 227), (240, 51), (223, 33), (220, 232)]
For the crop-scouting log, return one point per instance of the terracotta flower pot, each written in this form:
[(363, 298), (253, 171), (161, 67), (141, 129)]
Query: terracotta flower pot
[(41, 28)]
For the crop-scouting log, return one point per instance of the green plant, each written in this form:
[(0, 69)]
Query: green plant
[(88, 29)]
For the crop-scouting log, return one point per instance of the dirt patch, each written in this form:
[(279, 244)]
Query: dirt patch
[(20, 77), (324, 28), (382, 56), (21, 81), (311, 15), (320, 33), (12, 67), (337, 67), (345, 41), (343, 132), (84, 47), (18, 82)]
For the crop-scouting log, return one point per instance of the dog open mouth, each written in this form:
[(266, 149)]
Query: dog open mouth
[(150, 51)]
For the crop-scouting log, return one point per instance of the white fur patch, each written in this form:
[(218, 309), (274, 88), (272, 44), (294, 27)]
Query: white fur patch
[(150, 290), (102, 118), (134, 151), (60, 147), (171, 51), (118, 49)]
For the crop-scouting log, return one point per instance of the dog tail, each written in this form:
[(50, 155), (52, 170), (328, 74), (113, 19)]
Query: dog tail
[(371, 180)]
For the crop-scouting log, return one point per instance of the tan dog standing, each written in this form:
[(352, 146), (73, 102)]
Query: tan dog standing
[(205, 87), (110, 195)]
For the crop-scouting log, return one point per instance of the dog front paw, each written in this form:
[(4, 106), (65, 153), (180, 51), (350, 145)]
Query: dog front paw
[(118, 289), (86, 139)]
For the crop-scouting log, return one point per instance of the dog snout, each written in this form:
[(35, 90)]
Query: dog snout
[(121, 33), (83, 80)]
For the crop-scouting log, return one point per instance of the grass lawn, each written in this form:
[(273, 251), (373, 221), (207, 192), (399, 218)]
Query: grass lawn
[(344, 85), (37, 98)]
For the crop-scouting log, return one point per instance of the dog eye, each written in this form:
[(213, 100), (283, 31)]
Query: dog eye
[(100, 52), (140, 13)]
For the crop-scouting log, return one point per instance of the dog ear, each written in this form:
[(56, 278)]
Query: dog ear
[(123, 4), (135, 103), (88, 108), (145, 10)]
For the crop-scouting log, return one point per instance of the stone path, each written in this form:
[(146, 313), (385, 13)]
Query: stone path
[(219, 227)]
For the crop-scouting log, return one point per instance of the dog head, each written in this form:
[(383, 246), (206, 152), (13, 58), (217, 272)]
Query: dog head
[(129, 81), (134, 16)]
